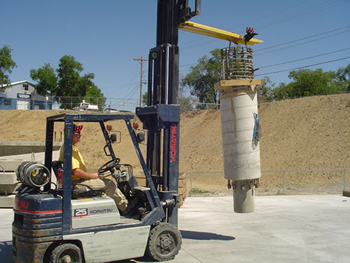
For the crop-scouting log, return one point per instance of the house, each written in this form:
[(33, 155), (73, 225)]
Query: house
[(22, 95)]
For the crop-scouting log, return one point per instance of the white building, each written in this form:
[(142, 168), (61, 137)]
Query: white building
[(22, 95)]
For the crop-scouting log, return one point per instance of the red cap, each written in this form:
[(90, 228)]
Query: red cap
[(77, 128)]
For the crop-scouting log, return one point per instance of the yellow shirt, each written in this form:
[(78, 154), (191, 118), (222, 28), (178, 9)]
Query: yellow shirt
[(77, 160)]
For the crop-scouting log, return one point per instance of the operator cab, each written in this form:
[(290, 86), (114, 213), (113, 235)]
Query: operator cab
[(81, 202), (114, 170)]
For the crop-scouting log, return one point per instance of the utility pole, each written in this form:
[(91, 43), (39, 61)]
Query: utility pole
[(141, 60)]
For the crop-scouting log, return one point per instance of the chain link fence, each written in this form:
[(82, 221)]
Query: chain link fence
[(204, 106), (275, 182), (117, 104), (120, 104), (123, 104)]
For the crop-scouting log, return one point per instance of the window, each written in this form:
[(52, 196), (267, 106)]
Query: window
[(25, 86), (7, 102)]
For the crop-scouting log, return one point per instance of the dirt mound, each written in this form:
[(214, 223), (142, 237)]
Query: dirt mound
[(306, 133)]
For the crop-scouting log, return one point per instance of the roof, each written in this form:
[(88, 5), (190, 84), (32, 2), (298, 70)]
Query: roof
[(18, 82)]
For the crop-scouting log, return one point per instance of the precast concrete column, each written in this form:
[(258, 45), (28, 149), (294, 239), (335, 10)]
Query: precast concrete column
[(241, 151)]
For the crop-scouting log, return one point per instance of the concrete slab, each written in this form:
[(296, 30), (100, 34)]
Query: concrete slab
[(8, 180), (7, 201), (11, 148), (35, 157), (282, 229)]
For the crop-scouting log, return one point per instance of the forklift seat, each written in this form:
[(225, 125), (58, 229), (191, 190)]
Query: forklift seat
[(84, 191)]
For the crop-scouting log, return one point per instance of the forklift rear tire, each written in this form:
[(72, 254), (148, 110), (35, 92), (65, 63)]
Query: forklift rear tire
[(164, 242), (66, 253)]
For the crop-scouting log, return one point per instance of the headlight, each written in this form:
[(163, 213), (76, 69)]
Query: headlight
[(33, 174)]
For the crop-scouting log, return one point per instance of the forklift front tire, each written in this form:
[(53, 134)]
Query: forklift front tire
[(164, 242), (66, 253)]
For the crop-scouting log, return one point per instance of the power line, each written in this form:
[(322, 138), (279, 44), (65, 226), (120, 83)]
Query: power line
[(307, 11), (293, 41), (208, 41), (289, 42), (320, 55), (132, 92), (299, 44), (141, 60), (277, 12), (121, 86), (308, 66), (294, 46), (303, 12)]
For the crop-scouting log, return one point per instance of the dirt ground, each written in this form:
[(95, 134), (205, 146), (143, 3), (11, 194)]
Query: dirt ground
[(305, 133)]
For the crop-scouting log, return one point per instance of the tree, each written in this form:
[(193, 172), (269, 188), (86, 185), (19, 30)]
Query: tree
[(95, 96), (281, 92), (144, 98), (203, 76), (343, 76), (47, 79), (186, 103), (69, 77), (85, 84), (6, 66), (68, 83), (265, 92), (306, 82)]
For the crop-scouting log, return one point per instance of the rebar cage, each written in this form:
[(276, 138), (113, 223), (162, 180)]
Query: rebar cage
[(237, 63)]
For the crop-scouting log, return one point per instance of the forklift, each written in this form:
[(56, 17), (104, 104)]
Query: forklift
[(54, 222)]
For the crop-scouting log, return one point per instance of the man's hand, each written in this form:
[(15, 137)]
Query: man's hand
[(105, 174)]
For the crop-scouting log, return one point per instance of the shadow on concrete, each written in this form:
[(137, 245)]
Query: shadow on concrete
[(204, 236)]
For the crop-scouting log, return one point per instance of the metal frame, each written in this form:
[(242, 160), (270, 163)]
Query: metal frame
[(162, 115), (157, 212)]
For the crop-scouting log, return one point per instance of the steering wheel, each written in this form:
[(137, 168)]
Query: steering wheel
[(108, 166)]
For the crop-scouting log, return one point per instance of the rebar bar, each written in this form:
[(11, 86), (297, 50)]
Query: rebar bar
[(237, 63)]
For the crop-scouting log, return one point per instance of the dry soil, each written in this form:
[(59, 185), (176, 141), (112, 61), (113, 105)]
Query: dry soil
[(299, 134)]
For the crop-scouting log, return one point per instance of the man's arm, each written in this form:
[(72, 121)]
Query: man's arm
[(84, 175)]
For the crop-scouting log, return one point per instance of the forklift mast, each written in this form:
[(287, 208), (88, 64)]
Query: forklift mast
[(161, 117)]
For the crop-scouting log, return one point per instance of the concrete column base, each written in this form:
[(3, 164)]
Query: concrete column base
[(243, 196)]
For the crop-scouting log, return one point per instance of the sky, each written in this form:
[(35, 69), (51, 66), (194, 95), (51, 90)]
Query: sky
[(106, 36)]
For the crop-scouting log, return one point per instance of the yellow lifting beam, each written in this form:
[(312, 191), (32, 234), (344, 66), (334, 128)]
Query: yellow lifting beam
[(216, 33)]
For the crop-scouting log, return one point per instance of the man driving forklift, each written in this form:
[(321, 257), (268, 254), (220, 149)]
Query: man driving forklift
[(105, 182)]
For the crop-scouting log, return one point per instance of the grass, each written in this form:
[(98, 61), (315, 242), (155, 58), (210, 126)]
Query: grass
[(280, 193), (196, 191)]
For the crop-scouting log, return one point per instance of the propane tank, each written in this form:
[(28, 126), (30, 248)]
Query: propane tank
[(33, 174)]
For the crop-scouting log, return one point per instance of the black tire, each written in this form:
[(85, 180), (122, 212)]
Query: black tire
[(66, 253), (164, 242)]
